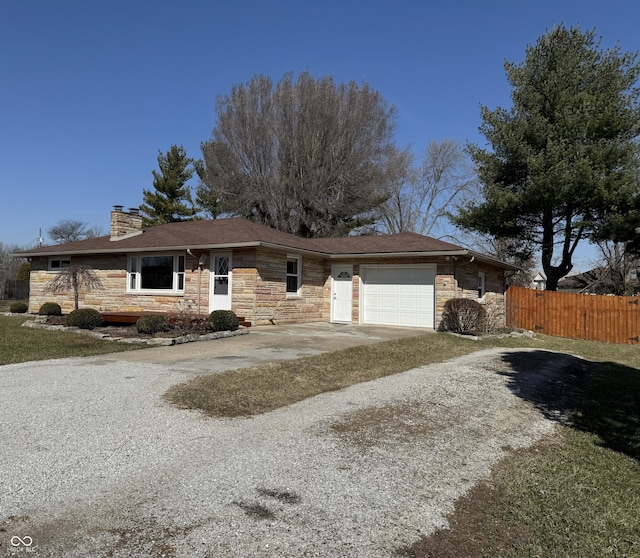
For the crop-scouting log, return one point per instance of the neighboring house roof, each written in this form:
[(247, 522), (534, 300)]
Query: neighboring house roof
[(237, 232), (594, 281)]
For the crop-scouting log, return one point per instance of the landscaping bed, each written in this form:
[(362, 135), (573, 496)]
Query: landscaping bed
[(196, 330)]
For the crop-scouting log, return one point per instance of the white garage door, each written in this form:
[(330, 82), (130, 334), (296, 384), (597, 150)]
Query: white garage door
[(399, 295)]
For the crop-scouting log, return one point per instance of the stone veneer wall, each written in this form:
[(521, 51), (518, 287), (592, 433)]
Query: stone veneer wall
[(259, 287), (460, 280), (112, 271), (124, 224), (271, 304)]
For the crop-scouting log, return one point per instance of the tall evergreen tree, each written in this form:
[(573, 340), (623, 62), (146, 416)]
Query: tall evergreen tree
[(170, 200), (565, 154)]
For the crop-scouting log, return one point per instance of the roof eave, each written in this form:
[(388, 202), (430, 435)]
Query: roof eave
[(429, 253), (276, 246), (129, 250)]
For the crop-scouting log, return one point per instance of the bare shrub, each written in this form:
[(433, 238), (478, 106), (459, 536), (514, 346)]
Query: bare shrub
[(463, 315)]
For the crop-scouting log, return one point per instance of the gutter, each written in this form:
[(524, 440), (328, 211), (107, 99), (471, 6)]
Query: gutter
[(275, 246)]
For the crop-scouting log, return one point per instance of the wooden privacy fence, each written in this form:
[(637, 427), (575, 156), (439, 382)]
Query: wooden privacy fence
[(14, 290), (613, 319)]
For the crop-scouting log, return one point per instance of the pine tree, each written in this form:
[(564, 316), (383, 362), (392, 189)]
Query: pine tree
[(565, 154), (170, 201)]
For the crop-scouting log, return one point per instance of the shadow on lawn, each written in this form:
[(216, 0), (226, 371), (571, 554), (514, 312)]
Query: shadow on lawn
[(602, 398)]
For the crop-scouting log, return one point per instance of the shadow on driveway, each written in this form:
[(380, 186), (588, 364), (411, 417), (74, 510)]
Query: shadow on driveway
[(601, 398)]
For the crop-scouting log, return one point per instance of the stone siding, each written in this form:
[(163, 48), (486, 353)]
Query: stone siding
[(273, 305), (259, 287), (112, 272), (458, 279)]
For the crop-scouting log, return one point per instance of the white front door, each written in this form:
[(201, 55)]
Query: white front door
[(220, 284), (341, 292)]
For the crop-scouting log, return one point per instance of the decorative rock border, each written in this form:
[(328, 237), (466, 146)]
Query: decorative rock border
[(516, 333), (155, 341)]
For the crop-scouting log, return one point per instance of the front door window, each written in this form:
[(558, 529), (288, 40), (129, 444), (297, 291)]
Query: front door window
[(221, 280), (220, 286)]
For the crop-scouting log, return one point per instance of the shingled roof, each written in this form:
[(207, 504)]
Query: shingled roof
[(238, 232)]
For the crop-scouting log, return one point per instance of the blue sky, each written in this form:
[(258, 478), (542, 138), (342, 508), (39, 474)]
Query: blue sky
[(90, 91)]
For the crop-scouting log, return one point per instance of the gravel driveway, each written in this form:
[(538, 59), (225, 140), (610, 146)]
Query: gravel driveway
[(95, 463)]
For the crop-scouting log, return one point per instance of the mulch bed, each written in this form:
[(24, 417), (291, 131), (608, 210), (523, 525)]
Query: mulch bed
[(129, 331)]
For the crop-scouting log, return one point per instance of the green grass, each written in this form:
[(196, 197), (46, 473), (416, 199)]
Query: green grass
[(257, 390), (579, 497), (576, 498), (22, 344)]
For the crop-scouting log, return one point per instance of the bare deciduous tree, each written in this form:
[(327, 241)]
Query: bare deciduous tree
[(619, 267), (9, 264), (307, 157), (420, 199), (72, 230), (74, 278), (514, 251)]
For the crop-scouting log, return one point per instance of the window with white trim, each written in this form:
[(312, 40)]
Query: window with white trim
[(481, 284), (293, 275), (58, 264), (154, 273)]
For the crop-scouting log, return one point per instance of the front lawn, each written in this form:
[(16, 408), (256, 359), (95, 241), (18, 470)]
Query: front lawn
[(22, 344)]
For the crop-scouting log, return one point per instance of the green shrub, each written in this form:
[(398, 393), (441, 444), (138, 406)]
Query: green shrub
[(50, 309), (18, 308), (463, 315), (84, 318), (23, 271), (223, 320), (152, 324)]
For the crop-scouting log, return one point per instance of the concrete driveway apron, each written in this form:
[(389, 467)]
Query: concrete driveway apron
[(265, 344)]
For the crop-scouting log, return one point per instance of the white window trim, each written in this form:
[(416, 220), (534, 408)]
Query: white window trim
[(135, 277), (295, 294), (58, 259)]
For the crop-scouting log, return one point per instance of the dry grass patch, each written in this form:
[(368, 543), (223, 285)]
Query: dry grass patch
[(397, 423), (261, 389)]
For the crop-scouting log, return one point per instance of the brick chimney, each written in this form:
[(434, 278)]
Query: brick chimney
[(125, 224)]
